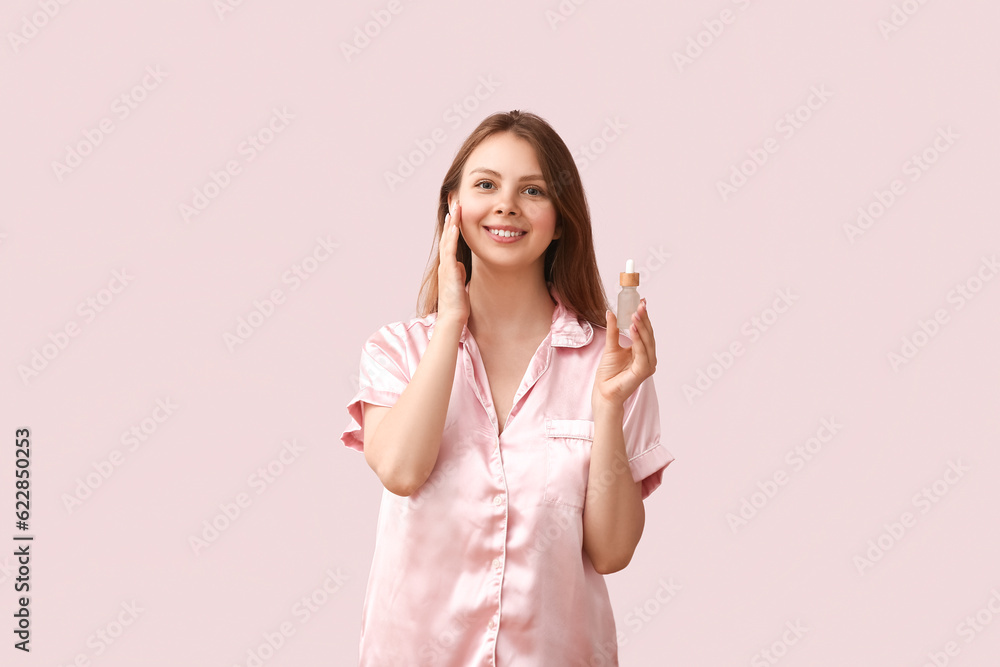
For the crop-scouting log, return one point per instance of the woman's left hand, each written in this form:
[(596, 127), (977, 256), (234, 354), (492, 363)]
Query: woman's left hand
[(622, 369)]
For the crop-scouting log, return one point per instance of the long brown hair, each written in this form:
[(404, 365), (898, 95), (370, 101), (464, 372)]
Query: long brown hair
[(570, 262)]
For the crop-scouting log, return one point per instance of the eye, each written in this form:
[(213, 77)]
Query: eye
[(482, 183), (538, 191)]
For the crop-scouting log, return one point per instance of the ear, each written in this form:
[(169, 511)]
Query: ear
[(558, 232)]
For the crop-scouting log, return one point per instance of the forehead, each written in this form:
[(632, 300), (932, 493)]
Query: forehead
[(503, 152)]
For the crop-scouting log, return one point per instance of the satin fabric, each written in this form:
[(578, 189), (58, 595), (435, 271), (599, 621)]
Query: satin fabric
[(484, 563)]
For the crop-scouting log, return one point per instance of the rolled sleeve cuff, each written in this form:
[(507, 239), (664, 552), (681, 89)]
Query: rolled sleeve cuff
[(649, 467), (353, 435)]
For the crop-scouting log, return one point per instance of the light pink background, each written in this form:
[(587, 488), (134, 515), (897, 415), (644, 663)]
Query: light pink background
[(708, 266)]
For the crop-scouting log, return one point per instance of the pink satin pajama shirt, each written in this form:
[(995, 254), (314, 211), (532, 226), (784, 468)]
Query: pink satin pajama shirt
[(484, 563)]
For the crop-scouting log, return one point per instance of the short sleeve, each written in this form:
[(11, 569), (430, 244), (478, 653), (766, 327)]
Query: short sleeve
[(383, 375), (647, 456)]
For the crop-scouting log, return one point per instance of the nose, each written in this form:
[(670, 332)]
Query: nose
[(505, 207)]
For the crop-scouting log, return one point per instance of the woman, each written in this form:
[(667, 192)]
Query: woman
[(515, 436)]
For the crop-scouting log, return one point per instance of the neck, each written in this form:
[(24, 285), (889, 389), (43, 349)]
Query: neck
[(510, 304)]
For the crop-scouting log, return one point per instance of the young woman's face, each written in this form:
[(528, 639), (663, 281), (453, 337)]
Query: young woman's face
[(502, 187)]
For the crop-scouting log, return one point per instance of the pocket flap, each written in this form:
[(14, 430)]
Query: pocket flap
[(570, 428)]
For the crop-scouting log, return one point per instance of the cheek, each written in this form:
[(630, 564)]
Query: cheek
[(474, 212), (544, 217)]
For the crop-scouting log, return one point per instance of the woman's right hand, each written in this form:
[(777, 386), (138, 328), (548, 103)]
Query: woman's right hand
[(453, 300)]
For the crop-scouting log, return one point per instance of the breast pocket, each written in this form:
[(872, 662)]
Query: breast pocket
[(567, 460)]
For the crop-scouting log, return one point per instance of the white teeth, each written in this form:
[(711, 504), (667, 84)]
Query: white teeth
[(505, 234)]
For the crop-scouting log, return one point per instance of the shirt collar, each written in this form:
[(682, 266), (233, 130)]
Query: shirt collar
[(567, 329)]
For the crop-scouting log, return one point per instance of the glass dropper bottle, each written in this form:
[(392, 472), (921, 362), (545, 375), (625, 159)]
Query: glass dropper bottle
[(628, 297)]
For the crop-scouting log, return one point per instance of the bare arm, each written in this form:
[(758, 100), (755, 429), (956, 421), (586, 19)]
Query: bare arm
[(402, 442), (614, 514)]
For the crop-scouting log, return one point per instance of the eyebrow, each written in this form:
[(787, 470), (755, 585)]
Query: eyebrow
[(532, 177)]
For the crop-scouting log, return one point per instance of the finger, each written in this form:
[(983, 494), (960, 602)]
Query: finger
[(445, 239), (640, 319), (447, 247), (645, 316), (644, 335), (451, 233), (611, 335), (640, 356), (643, 323)]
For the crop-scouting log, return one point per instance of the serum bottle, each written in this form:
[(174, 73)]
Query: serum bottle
[(628, 297)]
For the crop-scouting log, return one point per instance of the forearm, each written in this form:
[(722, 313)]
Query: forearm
[(614, 515), (405, 446)]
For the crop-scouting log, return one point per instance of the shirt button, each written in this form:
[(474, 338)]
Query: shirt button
[(496, 563), (493, 624), (498, 500)]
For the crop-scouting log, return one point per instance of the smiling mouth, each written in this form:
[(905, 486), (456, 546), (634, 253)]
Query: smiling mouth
[(504, 233)]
